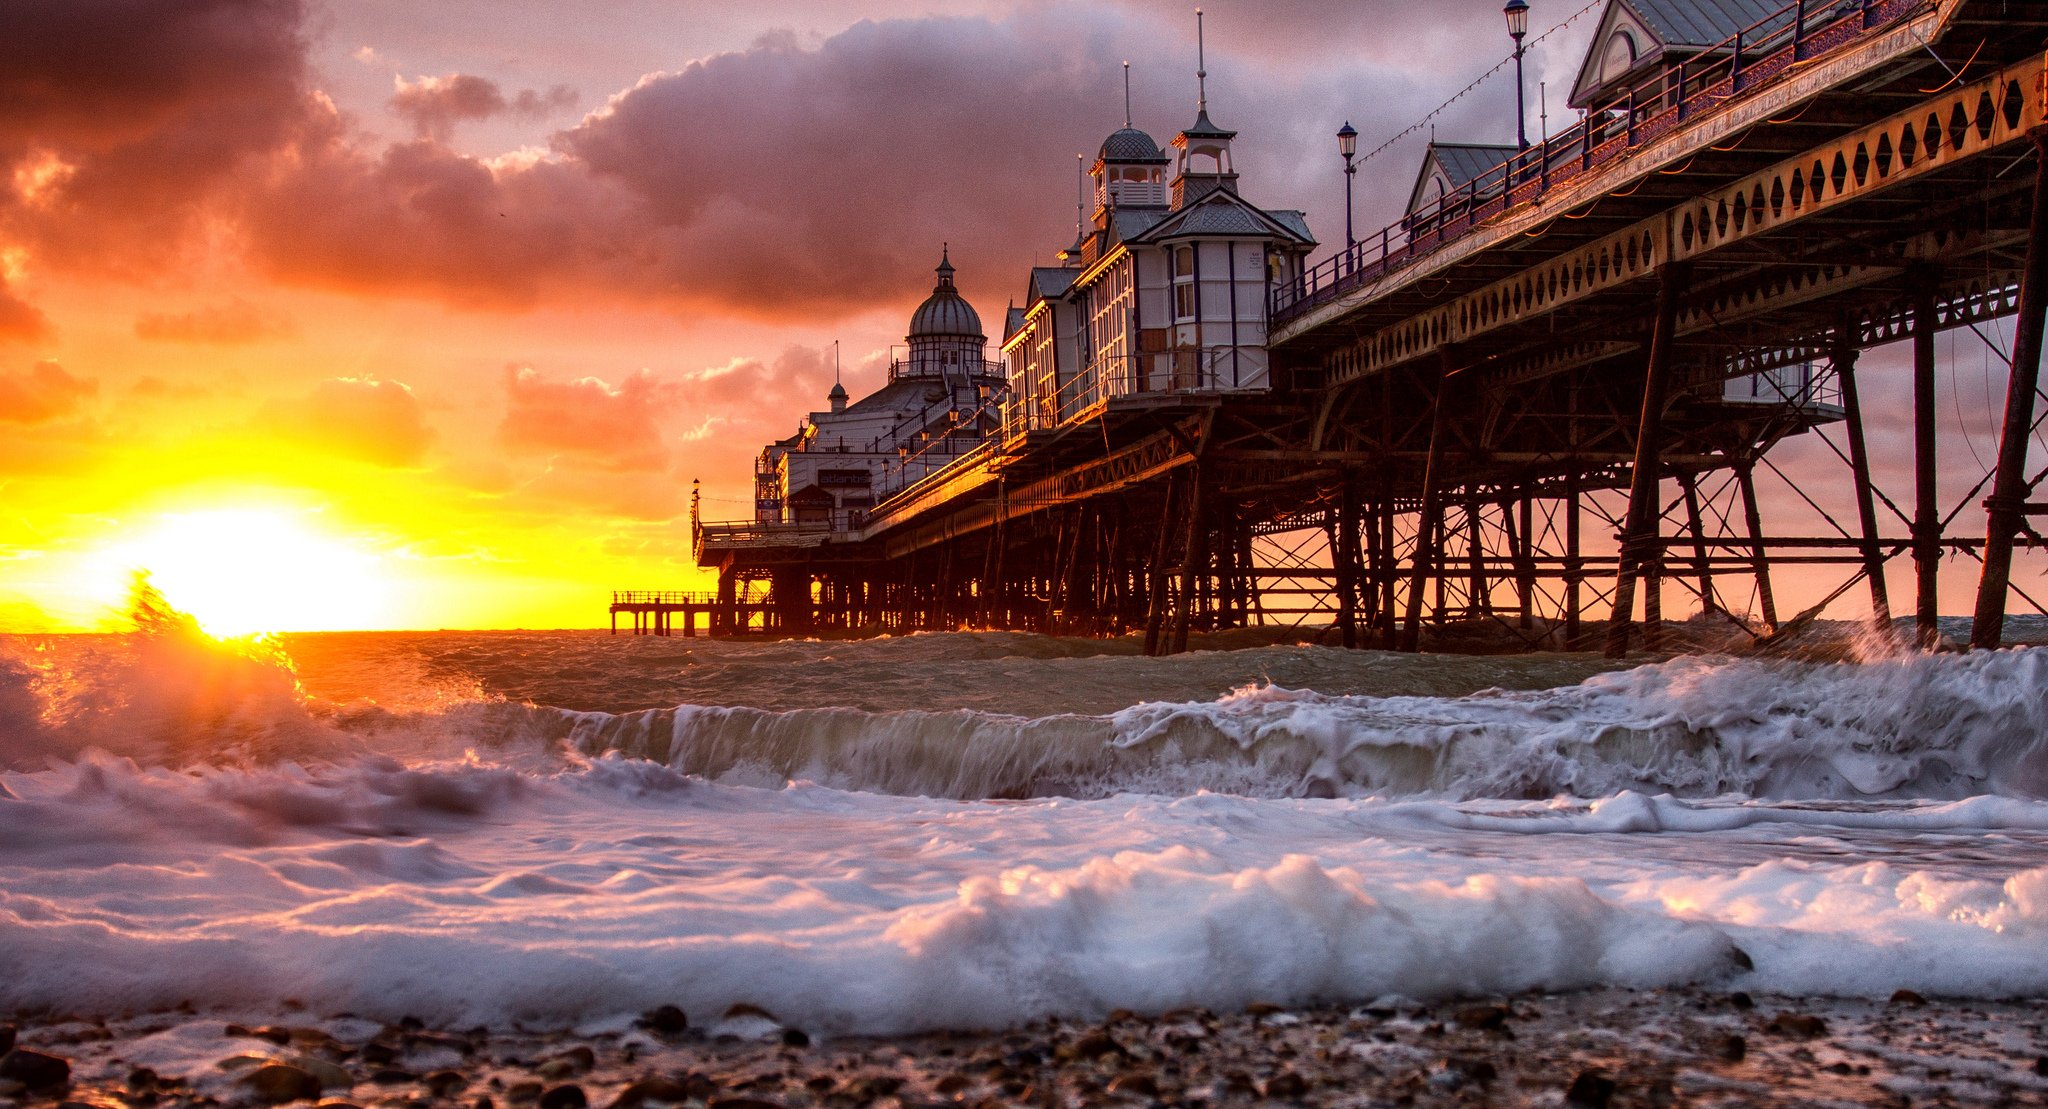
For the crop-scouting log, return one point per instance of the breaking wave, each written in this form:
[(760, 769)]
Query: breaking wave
[(1901, 726)]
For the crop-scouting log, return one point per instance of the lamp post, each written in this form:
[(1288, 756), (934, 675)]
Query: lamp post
[(1347, 145), (1517, 12)]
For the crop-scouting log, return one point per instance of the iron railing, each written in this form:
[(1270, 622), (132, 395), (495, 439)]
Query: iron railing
[(1749, 59), (1162, 373), (658, 597)]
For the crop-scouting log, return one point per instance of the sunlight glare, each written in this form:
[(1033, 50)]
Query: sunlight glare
[(242, 571)]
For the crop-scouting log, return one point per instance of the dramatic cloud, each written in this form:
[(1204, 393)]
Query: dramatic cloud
[(120, 120), (796, 178), (236, 321), (434, 105), (41, 394), (357, 417), (614, 428)]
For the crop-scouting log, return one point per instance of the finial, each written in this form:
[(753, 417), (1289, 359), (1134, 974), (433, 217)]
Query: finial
[(1201, 68), (835, 361), (1127, 93), (1080, 192)]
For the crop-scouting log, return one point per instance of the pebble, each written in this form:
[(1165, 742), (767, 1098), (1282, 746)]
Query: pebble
[(35, 1070), (1803, 1026), (665, 1020), (566, 1096), (277, 1083), (1590, 1090)]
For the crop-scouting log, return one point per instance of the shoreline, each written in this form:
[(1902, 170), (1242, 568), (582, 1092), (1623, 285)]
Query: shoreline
[(1596, 1047)]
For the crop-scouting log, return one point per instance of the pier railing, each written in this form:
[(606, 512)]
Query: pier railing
[(1159, 373), (1751, 58), (622, 597)]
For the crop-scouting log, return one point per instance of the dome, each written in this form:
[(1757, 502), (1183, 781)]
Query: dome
[(945, 312), (1130, 145)]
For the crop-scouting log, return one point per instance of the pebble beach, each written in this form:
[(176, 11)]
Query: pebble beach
[(1590, 1048)]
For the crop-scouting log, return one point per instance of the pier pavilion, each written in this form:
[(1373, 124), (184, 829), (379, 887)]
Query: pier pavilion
[(1541, 401)]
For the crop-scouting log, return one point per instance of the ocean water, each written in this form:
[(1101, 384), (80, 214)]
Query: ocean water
[(974, 830)]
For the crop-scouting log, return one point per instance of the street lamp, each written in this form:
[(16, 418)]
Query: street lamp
[(1347, 145), (1517, 12)]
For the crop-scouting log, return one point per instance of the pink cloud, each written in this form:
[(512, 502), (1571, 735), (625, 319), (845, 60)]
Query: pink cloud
[(434, 105), (588, 421)]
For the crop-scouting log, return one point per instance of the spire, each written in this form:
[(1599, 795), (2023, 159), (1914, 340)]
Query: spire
[(945, 267), (1127, 93), (1201, 69), (1080, 193)]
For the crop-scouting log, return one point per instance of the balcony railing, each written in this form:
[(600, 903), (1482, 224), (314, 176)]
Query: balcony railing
[(1750, 59), (1163, 373)]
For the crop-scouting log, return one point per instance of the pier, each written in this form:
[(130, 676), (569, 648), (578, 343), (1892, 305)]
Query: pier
[(1540, 404)]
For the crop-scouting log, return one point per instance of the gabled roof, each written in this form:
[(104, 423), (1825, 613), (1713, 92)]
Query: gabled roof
[(1048, 282), (1702, 23), (1012, 321), (1681, 27), (1129, 223), (1461, 164), (1224, 213)]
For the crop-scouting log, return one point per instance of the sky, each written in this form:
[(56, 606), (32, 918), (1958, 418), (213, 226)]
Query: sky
[(387, 314)]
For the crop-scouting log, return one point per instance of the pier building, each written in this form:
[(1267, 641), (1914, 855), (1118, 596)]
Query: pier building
[(1541, 402)]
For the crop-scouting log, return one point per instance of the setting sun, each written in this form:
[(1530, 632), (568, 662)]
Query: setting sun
[(244, 570)]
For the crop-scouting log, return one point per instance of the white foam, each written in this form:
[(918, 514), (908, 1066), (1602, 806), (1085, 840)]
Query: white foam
[(465, 893)]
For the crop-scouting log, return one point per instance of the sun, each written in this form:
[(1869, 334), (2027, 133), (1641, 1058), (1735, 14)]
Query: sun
[(240, 571)]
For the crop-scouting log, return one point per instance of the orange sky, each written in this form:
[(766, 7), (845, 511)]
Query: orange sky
[(399, 315)]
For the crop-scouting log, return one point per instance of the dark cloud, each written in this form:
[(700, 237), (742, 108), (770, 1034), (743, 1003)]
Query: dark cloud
[(356, 417), (779, 181), (434, 105), (234, 322), (588, 421), (130, 116), (42, 393)]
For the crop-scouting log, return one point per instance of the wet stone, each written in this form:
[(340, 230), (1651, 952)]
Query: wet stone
[(277, 1083), (1590, 1090), (35, 1070), (665, 1020), (519, 1093), (566, 1096), (1803, 1026), (1286, 1084)]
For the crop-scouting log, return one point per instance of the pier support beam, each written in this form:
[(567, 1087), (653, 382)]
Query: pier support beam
[(1926, 507), (1345, 560), (1859, 465), (1639, 533), (1428, 529), (2007, 503)]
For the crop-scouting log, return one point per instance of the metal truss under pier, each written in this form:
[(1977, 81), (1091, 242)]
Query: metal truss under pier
[(1544, 410)]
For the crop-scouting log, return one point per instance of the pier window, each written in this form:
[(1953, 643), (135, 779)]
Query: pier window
[(1183, 283)]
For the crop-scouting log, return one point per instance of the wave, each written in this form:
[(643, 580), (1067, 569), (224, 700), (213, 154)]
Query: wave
[(1900, 725)]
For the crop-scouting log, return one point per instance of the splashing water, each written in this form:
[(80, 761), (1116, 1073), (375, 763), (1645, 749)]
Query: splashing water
[(974, 829)]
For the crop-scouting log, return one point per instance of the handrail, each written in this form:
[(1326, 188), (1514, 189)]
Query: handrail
[(659, 597), (1647, 109)]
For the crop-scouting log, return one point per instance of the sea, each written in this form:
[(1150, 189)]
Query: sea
[(978, 829)]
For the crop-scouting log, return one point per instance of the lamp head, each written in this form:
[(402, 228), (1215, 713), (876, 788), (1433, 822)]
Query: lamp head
[(1347, 140), (1517, 12)]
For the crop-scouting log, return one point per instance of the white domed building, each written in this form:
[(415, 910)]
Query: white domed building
[(939, 402)]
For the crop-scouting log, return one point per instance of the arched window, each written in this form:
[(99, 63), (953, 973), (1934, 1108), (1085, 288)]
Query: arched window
[(1619, 57)]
